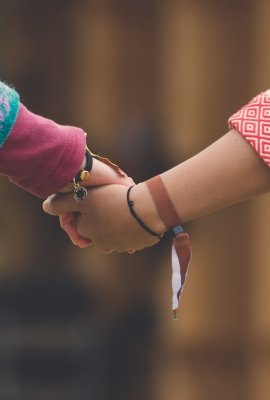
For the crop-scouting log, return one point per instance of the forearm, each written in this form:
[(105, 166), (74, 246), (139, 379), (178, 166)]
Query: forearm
[(227, 172), (36, 153)]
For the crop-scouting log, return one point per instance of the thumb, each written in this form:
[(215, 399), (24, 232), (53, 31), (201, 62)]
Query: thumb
[(58, 204)]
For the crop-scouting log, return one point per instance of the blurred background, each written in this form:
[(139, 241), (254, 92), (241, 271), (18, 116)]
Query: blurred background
[(152, 82)]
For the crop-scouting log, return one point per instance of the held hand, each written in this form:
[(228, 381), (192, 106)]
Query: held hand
[(101, 174), (104, 217)]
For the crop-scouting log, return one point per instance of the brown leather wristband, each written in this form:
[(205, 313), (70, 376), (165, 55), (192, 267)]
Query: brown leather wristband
[(164, 205)]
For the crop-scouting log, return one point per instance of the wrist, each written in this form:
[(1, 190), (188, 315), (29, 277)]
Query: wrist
[(146, 209)]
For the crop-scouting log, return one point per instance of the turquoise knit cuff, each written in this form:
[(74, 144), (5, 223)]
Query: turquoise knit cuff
[(9, 108)]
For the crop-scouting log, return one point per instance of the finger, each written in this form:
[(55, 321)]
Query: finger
[(58, 204), (68, 224), (83, 243)]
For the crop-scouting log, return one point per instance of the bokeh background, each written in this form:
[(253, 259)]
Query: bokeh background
[(152, 82)]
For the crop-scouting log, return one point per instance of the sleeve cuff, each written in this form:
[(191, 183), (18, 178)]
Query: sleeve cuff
[(253, 122), (40, 155), (9, 108)]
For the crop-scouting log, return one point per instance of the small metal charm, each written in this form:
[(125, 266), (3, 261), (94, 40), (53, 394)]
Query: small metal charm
[(79, 192)]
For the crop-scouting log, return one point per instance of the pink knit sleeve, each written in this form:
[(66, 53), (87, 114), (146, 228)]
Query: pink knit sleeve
[(41, 156), (253, 122)]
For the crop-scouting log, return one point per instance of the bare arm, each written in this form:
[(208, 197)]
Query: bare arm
[(227, 172)]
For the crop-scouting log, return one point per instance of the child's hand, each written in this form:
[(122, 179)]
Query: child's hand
[(101, 174), (105, 217)]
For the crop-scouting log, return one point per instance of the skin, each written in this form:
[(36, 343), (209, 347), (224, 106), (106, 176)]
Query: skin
[(227, 172), (101, 174)]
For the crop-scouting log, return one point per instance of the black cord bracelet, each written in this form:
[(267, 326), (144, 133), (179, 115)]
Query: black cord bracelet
[(88, 166), (138, 219)]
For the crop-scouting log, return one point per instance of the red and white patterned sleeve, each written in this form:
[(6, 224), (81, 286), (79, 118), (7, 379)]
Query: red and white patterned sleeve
[(253, 122)]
